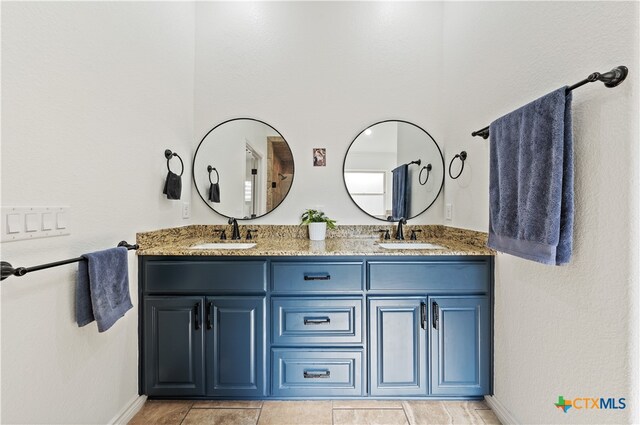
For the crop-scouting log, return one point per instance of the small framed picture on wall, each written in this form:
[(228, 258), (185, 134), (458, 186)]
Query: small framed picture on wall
[(319, 157)]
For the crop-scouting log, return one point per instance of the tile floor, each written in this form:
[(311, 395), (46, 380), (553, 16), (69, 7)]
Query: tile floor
[(336, 412)]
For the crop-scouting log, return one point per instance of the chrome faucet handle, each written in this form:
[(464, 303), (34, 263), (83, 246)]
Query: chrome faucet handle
[(386, 233), (414, 237), (249, 235)]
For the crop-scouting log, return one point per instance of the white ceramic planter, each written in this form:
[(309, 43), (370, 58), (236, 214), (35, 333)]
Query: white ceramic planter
[(317, 231)]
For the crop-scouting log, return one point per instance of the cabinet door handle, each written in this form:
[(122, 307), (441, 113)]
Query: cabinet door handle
[(316, 374), (435, 311), (197, 316), (209, 323), (423, 315), (317, 320), (317, 276)]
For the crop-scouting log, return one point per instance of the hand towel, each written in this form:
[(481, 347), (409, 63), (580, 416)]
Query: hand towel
[(531, 181), (400, 200), (102, 288), (173, 186), (214, 192)]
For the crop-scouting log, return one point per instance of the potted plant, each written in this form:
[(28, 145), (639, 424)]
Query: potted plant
[(318, 223)]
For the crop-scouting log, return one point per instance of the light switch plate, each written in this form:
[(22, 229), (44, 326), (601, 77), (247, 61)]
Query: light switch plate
[(19, 223), (448, 212)]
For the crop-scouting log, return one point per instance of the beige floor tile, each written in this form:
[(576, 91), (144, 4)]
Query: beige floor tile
[(463, 413), (369, 417), (367, 404), (471, 404), (296, 413), (162, 412), (228, 404), (488, 417), (222, 417), (426, 412)]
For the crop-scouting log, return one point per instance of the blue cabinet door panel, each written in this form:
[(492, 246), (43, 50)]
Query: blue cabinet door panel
[(398, 347), (314, 321), (235, 346), (460, 346), (316, 372), (173, 348)]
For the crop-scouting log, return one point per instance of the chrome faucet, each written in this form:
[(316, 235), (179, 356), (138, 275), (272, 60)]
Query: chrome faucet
[(399, 232), (235, 235)]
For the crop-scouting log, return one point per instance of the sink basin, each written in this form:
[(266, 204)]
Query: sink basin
[(223, 245), (410, 245)]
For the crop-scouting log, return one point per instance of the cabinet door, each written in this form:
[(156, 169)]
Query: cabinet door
[(398, 347), (460, 345), (235, 346), (173, 346)]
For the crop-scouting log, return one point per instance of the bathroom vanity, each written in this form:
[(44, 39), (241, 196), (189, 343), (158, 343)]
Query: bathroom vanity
[(294, 319)]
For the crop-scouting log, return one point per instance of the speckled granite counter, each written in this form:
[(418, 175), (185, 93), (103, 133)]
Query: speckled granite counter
[(292, 240)]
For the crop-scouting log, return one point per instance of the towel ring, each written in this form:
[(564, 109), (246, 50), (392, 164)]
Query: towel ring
[(168, 154), (428, 167), (463, 157), (210, 169)]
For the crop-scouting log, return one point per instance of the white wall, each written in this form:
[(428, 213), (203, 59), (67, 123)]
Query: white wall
[(569, 330), (92, 94), (319, 72)]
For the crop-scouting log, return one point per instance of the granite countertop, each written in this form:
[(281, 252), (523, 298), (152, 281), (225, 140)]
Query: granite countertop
[(282, 240)]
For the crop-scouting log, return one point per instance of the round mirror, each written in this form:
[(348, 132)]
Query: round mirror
[(243, 168), (393, 169)]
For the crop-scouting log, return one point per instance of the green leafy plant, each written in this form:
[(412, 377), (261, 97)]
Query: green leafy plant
[(315, 216)]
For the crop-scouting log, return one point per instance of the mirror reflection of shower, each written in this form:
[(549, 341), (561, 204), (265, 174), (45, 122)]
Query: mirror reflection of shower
[(279, 170), (252, 183)]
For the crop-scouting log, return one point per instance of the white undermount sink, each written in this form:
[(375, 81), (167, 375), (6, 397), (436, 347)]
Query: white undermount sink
[(223, 245), (411, 245)]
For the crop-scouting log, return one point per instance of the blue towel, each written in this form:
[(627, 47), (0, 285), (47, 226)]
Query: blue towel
[(102, 288), (531, 181), (400, 200)]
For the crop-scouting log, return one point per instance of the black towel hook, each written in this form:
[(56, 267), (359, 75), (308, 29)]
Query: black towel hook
[(168, 154), (463, 157), (427, 167), (210, 169)]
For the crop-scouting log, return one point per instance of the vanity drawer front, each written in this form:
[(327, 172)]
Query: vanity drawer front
[(316, 276), (314, 321), (431, 276), (205, 276), (316, 373)]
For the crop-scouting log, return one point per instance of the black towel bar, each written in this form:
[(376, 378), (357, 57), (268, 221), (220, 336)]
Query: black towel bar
[(8, 270), (610, 79)]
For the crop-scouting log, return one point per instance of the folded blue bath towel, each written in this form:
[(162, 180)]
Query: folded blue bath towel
[(531, 181), (102, 288), (399, 198)]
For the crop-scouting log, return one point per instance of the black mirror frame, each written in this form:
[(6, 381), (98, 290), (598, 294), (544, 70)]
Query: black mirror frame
[(193, 169), (344, 163)]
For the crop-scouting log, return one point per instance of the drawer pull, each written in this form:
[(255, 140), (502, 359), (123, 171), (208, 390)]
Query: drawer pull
[(316, 374), (317, 320), (317, 276)]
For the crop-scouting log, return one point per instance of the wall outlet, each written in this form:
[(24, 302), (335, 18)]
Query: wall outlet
[(448, 212), (186, 210)]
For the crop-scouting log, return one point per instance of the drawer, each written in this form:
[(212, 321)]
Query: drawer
[(316, 276), (316, 373), (432, 276), (205, 276), (314, 321)]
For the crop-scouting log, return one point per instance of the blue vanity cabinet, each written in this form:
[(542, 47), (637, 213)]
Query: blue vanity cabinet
[(234, 328), (460, 346), (398, 348), (173, 346)]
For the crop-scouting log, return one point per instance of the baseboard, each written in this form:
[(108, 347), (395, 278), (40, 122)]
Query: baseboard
[(501, 412), (129, 411)]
